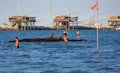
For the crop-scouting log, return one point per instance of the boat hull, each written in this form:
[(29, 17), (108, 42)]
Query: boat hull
[(48, 40)]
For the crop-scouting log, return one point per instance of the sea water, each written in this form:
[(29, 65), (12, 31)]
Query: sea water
[(60, 57)]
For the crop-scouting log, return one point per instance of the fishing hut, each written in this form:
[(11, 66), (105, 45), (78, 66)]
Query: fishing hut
[(63, 22), (22, 22), (114, 21)]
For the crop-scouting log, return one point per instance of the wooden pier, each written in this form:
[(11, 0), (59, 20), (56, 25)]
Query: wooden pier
[(63, 22), (114, 21), (22, 22)]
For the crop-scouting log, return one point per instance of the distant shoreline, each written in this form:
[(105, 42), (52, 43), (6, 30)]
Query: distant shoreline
[(48, 28)]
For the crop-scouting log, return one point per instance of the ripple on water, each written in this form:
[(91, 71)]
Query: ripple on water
[(78, 71), (24, 55), (50, 71), (106, 69), (92, 61)]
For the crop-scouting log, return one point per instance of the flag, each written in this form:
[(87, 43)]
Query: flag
[(95, 7)]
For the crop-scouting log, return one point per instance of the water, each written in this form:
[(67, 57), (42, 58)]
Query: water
[(60, 57)]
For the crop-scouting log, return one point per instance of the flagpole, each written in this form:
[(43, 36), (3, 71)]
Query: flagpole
[(95, 7), (97, 30)]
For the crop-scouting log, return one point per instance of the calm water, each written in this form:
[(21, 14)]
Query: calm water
[(60, 57)]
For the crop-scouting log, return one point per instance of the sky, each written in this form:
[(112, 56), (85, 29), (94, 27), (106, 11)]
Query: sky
[(41, 9)]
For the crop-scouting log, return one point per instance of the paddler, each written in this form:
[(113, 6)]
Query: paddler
[(16, 42), (65, 36), (78, 35)]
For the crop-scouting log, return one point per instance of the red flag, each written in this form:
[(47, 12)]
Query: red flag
[(95, 7)]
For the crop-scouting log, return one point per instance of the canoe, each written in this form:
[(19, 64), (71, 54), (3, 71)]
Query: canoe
[(58, 39), (48, 39)]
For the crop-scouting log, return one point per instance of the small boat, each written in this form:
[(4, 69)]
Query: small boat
[(48, 39)]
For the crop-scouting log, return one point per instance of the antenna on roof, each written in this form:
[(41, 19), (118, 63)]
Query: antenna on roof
[(67, 11), (21, 7), (51, 8)]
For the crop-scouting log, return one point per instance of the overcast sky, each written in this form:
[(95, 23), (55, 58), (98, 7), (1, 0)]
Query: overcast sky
[(41, 9)]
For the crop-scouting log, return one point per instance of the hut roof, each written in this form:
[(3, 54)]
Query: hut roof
[(22, 18)]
